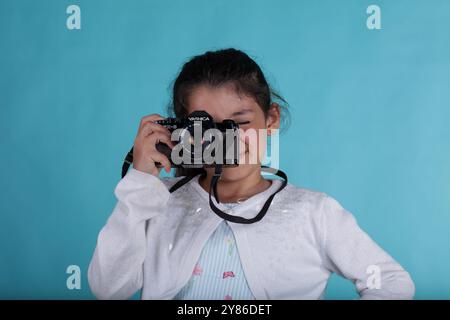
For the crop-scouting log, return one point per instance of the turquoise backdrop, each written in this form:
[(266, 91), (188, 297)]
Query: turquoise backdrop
[(370, 112)]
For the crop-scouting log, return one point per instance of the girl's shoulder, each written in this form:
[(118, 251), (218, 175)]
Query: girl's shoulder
[(317, 204), (306, 197), (293, 193)]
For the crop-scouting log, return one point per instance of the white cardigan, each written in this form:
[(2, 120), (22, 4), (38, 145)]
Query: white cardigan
[(153, 240)]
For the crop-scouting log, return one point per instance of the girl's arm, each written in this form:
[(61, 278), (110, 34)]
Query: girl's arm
[(350, 252), (115, 271)]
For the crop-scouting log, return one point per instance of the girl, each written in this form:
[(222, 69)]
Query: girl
[(173, 246)]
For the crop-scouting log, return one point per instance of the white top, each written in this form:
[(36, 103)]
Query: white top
[(153, 239)]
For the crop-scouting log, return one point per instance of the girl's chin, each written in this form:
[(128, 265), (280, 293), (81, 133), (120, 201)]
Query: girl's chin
[(238, 172)]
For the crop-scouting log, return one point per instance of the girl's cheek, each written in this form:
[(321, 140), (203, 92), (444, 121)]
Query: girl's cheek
[(252, 140)]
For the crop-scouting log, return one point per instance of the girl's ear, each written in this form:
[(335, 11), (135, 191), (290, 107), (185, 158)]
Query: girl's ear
[(273, 117)]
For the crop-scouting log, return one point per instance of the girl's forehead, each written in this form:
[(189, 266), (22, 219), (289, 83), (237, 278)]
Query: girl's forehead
[(220, 102)]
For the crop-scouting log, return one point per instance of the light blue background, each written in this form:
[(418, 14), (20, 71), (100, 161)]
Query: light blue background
[(369, 119)]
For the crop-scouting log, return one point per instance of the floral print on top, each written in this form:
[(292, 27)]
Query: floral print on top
[(218, 274)]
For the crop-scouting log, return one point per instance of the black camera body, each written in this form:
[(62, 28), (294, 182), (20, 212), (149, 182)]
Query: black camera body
[(188, 128)]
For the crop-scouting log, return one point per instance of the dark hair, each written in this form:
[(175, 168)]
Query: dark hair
[(216, 68)]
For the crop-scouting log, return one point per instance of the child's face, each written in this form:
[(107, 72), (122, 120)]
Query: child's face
[(224, 103)]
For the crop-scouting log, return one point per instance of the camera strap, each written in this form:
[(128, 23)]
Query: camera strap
[(237, 219), (213, 190)]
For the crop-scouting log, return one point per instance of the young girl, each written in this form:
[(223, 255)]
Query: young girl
[(173, 246)]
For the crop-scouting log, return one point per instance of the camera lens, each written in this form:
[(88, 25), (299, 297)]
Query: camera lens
[(193, 138)]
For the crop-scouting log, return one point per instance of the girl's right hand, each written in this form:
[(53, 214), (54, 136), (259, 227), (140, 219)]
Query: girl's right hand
[(144, 150)]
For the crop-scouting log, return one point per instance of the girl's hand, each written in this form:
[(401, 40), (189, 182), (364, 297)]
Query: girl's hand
[(144, 151)]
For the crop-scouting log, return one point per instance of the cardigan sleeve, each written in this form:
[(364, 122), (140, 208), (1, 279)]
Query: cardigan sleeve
[(351, 253), (116, 268)]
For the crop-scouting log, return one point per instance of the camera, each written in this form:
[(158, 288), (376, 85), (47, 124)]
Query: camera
[(201, 141)]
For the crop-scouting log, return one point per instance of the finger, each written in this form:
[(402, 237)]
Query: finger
[(162, 159), (149, 118), (157, 137), (151, 127)]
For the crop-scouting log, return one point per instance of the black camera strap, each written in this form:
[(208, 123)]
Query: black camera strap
[(127, 162), (213, 190), (237, 219)]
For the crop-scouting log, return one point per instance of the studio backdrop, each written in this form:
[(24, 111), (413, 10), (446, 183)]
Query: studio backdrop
[(368, 87)]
